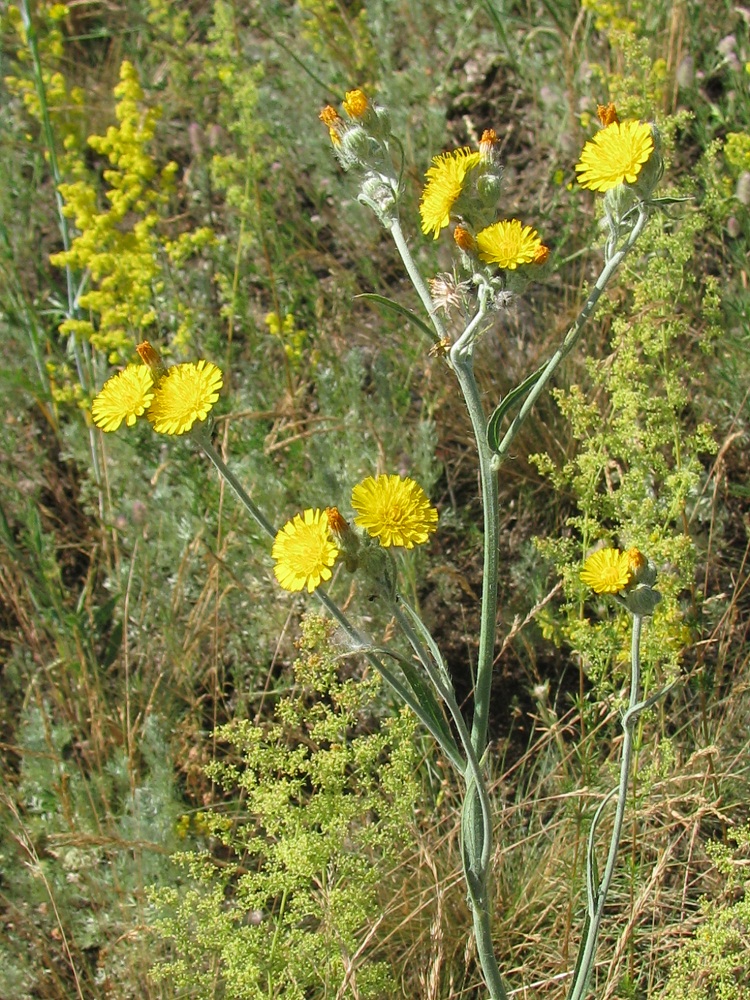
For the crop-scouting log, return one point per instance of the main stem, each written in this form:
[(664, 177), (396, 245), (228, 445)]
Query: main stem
[(476, 831)]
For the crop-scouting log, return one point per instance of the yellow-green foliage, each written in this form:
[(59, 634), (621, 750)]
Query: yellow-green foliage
[(120, 247), (293, 339), (737, 152), (341, 34), (324, 806), (715, 963), (62, 103), (636, 475)]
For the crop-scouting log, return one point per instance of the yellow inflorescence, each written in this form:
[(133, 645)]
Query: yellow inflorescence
[(608, 571), (356, 104), (185, 394), (394, 510), (445, 181), (126, 396), (615, 155), (304, 551), (510, 243), (172, 398)]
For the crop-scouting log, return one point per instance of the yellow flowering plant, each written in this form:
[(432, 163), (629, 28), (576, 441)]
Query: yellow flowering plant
[(494, 257)]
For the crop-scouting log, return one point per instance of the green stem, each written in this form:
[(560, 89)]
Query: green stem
[(416, 278), (571, 338), (597, 897), (490, 509), (476, 827)]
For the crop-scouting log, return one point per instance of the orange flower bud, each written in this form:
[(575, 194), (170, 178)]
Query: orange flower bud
[(607, 113), (151, 357), (356, 103), (464, 239)]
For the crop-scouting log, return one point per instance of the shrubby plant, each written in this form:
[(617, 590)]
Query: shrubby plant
[(322, 802), (714, 964)]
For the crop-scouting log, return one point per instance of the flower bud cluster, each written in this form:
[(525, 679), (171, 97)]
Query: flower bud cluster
[(360, 139)]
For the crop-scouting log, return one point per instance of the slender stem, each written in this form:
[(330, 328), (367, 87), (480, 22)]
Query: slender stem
[(416, 277), (598, 898), (464, 369), (571, 338), (476, 822), (360, 641), (223, 469)]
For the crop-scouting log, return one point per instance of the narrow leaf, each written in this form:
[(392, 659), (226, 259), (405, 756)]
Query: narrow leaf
[(511, 399), (403, 311)]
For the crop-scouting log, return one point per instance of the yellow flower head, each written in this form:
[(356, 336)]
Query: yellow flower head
[(304, 551), (607, 571), (508, 244), (185, 394), (123, 397), (615, 155), (356, 104), (445, 181), (394, 510)]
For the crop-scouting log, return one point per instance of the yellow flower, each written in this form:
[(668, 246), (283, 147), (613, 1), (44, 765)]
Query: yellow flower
[(616, 154), (607, 571), (304, 551), (356, 103), (394, 510), (508, 244), (185, 394), (445, 181), (123, 397)]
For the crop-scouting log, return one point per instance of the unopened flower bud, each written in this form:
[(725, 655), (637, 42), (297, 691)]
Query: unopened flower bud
[(641, 570), (355, 144), (336, 125), (379, 196), (640, 600), (606, 113), (381, 124), (345, 538), (490, 186), (151, 357), (488, 147), (652, 170), (464, 240)]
